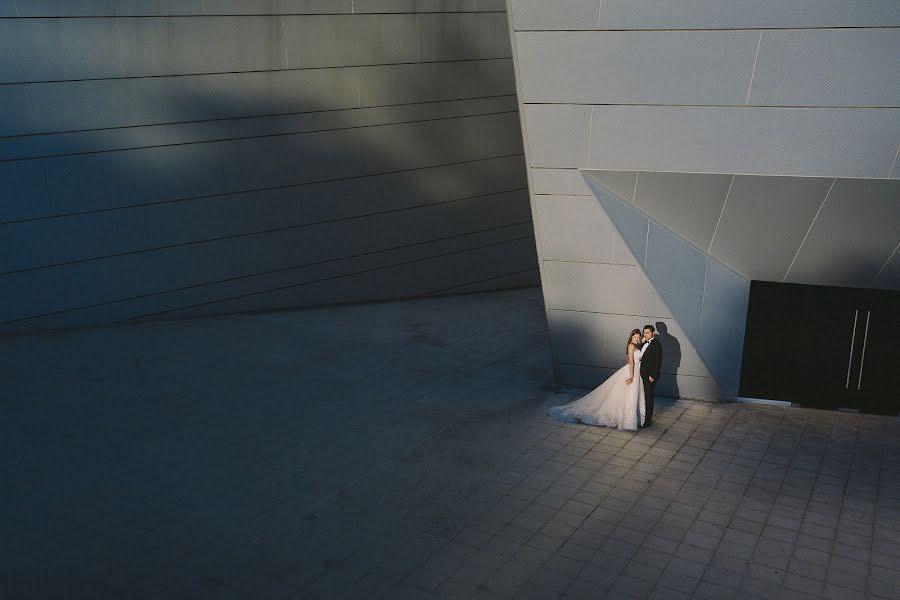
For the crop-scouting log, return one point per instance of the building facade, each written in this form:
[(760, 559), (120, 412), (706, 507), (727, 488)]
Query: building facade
[(165, 159), (679, 150)]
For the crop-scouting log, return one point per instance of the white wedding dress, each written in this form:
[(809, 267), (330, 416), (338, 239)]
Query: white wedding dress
[(613, 404)]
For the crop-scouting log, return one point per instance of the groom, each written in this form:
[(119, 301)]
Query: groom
[(651, 360)]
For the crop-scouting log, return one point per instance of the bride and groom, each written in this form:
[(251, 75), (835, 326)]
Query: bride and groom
[(625, 400)]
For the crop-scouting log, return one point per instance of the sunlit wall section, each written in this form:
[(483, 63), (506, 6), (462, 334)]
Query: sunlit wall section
[(757, 138), (173, 159)]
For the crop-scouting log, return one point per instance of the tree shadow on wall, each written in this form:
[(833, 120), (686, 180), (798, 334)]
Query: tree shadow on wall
[(224, 201)]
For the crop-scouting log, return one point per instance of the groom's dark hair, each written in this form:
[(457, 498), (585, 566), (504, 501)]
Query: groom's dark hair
[(650, 327)]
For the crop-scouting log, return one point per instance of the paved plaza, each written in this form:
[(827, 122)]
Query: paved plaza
[(401, 450)]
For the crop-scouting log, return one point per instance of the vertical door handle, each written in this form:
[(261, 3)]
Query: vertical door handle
[(863, 357), (852, 340)]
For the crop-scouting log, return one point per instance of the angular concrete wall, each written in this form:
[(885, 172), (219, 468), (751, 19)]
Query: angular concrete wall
[(733, 136), (171, 159)]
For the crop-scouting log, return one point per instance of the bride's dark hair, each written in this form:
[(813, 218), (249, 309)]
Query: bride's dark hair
[(631, 335)]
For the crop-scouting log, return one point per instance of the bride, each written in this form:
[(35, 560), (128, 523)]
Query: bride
[(618, 402)]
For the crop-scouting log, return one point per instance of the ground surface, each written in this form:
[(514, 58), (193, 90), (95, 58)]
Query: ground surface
[(402, 451)]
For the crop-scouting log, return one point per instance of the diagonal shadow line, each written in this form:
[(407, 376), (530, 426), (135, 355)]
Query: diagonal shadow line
[(594, 184)]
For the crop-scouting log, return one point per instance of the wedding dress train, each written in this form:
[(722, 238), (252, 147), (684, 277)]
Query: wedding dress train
[(613, 404)]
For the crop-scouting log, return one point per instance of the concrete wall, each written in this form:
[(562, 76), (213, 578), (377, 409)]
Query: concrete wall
[(173, 159), (757, 137)]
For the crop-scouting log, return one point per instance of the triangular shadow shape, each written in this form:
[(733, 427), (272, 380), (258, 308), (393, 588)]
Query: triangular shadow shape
[(685, 278)]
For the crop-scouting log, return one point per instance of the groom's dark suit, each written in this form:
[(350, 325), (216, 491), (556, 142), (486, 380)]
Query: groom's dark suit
[(651, 362)]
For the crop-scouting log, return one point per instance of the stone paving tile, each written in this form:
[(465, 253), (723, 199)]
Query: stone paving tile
[(713, 501)]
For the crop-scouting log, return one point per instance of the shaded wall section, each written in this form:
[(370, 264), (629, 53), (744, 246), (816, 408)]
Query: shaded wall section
[(163, 160), (764, 135)]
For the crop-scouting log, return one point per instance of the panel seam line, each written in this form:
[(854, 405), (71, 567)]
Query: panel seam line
[(811, 225), (721, 214), (753, 72)]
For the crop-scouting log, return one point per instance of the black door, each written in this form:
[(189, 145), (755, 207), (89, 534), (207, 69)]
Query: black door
[(821, 346)]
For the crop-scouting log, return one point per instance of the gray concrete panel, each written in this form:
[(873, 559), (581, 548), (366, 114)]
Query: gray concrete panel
[(62, 49), (679, 355), (830, 67), (109, 8), (182, 45), (108, 180), (395, 6), (463, 36), (162, 7), (855, 233), (569, 15), (46, 242), (573, 228), (260, 126), (184, 222), (689, 204), (441, 81), (33, 293), (8, 8), (12, 66), (256, 7), (495, 77), (64, 8), (579, 337), (17, 115), (390, 84), (631, 224), (598, 339), (291, 159), (622, 254), (72, 105), (21, 248), (492, 135), (187, 84), (782, 207), (559, 181), (635, 67), (616, 289), (187, 267), (416, 145), (204, 97), (620, 183), (715, 14), (279, 92), (490, 5), (365, 278), (470, 179), (167, 99), (847, 142), (342, 40), (557, 135), (677, 271), (24, 190), (423, 277), (721, 341), (429, 82)]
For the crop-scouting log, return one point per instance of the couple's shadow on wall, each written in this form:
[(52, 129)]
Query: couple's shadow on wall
[(671, 361)]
